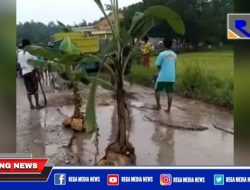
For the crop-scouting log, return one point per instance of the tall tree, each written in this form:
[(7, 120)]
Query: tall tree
[(205, 20)]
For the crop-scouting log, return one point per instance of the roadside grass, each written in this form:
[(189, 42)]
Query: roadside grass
[(207, 76)]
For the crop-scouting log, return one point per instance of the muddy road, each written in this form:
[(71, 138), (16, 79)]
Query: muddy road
[(194, 133)]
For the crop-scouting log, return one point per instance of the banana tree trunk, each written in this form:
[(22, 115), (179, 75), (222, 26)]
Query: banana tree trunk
[(121, 111), (77, 102)]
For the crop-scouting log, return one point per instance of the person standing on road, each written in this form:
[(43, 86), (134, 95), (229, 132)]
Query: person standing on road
[(166, 64), (146, 52), (29, 75), (18, 67)]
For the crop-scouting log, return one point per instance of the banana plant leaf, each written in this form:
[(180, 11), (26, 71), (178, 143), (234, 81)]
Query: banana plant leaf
[(64, 28), (97, 64), (52, 54), (39, 64), (81, 76), (90, 113), (46, 52), (52, 66), (167, 14), (89, 64), (138, 16), (99, 4), (104, 84), (56, 67), (70, 58), (69, 72), (69, 47), (90, 59), (101, 7), (142, 23), (111, 47)]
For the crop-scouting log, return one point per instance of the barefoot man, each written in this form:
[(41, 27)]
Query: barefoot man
[(29, 75), (166, 64)]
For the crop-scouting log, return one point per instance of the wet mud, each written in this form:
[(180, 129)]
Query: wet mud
[(194, 133)]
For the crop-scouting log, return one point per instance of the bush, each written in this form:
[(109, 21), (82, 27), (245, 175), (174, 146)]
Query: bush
[(191, 80), (137, 56), (195, 82)]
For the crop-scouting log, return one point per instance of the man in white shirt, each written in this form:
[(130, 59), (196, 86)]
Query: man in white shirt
[(18, 67), (29, 75)]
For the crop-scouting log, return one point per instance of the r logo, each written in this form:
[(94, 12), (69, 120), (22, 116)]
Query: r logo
[(238, 26)]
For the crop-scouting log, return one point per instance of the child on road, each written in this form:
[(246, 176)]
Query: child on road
[(146, 52)]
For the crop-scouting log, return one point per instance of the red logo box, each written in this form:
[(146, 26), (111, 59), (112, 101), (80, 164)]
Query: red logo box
[(113, 179)]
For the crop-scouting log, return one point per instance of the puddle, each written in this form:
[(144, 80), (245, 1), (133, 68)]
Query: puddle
[(164, 146), (156, 143)]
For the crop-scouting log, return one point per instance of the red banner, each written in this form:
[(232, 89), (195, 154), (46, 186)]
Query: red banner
[(22, 165)]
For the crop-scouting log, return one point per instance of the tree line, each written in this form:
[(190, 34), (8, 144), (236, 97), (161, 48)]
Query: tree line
[(36, 31), (205, 21)]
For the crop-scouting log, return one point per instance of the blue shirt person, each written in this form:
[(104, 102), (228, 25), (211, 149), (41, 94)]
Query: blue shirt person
[(166, 63)]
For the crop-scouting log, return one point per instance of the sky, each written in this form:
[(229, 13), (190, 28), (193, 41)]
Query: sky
[(66, 11)]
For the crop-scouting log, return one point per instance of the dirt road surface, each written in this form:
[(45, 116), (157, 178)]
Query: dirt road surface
[(194, 133)]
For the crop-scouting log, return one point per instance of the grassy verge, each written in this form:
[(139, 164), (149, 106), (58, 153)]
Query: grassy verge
[(206, 76)]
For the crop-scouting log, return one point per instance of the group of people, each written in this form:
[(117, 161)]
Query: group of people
[(164, 79), (166, 65), (28, 73)]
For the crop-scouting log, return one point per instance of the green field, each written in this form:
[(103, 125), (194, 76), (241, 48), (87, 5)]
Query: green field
[(204, 75), (220, 64)]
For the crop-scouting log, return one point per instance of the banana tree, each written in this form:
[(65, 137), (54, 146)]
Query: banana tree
[(63, 61), (118, 55)]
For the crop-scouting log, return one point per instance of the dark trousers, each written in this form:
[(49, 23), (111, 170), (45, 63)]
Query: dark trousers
[(31, 82)]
